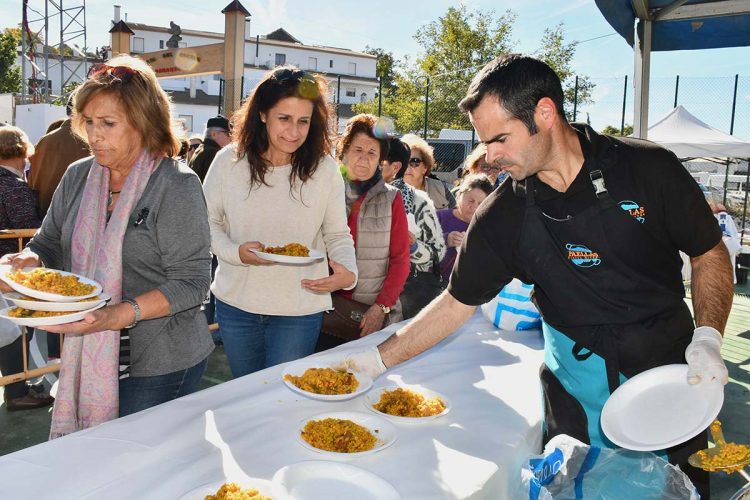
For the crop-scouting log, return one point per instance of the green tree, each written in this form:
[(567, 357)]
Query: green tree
[(10, 73), (455, 47), (385, 67), (559, 55), (612, 130)]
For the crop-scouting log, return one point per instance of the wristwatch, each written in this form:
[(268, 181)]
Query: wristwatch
[(384, 308), (136, 309)]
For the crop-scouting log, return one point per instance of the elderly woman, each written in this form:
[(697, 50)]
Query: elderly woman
[(418, 171), (472, 191), (18, 210), (377, 221), (476, 163), (133, 219), (277, 185)]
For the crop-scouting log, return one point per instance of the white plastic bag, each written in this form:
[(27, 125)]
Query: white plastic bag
[(512, 309), (570, 469), (9, 331)]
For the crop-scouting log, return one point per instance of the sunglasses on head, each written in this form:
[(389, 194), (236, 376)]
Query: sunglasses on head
[(101, 70), (306, 84), (415, 161)]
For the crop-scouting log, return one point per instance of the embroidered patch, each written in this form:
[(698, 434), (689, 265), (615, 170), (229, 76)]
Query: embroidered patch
[(634, 209), (582, 256)]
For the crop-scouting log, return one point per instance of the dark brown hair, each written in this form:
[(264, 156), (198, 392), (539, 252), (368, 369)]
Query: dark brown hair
[(251, 134), (361, 124)]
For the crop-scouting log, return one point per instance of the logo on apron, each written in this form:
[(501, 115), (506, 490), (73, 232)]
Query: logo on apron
[(634, 209), (582, 256)]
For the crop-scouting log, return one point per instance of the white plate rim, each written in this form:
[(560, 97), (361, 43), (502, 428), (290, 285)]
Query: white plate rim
[(298, 367), (43, 305), (364, 419), (663, 373), (386, 491), (289, 259), (53, 297), (49, 321), (373, 396), (264, 486)]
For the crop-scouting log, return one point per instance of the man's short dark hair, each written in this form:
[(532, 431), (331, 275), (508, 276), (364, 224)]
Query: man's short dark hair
[(519, 82), (398, 151)]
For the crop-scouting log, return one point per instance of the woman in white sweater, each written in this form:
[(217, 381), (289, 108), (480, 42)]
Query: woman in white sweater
[(276, 184)]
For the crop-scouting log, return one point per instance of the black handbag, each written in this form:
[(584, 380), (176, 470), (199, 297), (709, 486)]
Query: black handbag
[(421, 288), (344, 319)]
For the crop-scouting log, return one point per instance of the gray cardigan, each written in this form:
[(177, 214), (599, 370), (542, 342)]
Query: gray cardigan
[(169, 251)]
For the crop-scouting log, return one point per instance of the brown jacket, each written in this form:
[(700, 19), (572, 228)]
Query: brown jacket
[(54, 152)]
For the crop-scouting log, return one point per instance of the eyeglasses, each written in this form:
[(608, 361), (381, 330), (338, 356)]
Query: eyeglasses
[(307, 86), (101, 70), (486, 167), (415, 162)]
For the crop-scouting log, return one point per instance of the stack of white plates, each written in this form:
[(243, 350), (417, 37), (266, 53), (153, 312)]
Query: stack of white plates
[(76, 306)]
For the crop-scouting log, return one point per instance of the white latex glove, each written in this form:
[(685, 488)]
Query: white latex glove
[(368, 362), (703, 357)]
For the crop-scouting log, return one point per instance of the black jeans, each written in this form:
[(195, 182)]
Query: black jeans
[(11, 362)]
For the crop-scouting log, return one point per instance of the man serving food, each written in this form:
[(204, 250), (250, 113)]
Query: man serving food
[(596, 224)]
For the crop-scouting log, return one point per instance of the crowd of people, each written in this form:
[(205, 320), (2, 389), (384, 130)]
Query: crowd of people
[(397, 242)]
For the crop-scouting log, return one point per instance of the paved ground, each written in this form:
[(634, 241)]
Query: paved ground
[(27, 428)]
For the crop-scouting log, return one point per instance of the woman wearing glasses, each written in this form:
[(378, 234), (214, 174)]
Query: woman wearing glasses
[(418, 173), (476, 163), (132, 218), (276, 185)]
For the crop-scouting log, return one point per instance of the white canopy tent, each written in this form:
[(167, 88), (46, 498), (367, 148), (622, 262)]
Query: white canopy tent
[(688, 137)]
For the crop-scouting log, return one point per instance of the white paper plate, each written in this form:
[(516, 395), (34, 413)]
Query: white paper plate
[(657, 409), (298, 368), (381, 428), (372, 398), (288, 259), (318, 479), (262, 485), (52, 297), (43, 305), (52, 320)]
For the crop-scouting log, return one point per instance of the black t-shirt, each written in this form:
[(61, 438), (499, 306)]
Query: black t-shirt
[(646, 180)]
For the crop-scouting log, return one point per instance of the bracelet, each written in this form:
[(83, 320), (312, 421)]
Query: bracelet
[(136, 309)]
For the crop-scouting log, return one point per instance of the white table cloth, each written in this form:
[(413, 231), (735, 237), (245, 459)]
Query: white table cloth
[(475, 451)]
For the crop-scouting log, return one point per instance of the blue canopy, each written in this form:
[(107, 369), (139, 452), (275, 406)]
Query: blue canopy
[(682, 25)]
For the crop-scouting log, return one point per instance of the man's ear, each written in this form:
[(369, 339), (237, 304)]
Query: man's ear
[(546, 112)]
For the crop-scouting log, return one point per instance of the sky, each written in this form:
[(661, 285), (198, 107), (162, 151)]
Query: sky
[(389, 24)]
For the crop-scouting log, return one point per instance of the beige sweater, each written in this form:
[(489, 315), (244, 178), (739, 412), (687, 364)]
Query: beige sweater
[(314, 216)]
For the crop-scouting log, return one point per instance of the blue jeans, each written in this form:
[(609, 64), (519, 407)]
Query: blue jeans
[(256, 341), (139, 393)]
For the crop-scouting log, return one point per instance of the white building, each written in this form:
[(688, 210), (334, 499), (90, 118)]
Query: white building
[(351, 74), (197, 98)]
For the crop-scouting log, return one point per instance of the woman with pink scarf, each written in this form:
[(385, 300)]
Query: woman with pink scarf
[(134, 219)]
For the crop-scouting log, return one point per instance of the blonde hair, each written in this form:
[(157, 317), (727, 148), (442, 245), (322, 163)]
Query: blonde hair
[(427, 151), (14, 143), (471, 163), (147, 107)]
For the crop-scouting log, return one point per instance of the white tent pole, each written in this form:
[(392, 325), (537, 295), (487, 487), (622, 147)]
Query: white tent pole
[(641, 77)]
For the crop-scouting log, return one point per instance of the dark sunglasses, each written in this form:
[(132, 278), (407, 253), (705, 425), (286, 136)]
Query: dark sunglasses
[(194, 146), (415, 161), (102, 70), (306, 84)]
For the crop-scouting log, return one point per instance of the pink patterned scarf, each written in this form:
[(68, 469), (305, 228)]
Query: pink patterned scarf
[(88, 391)]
